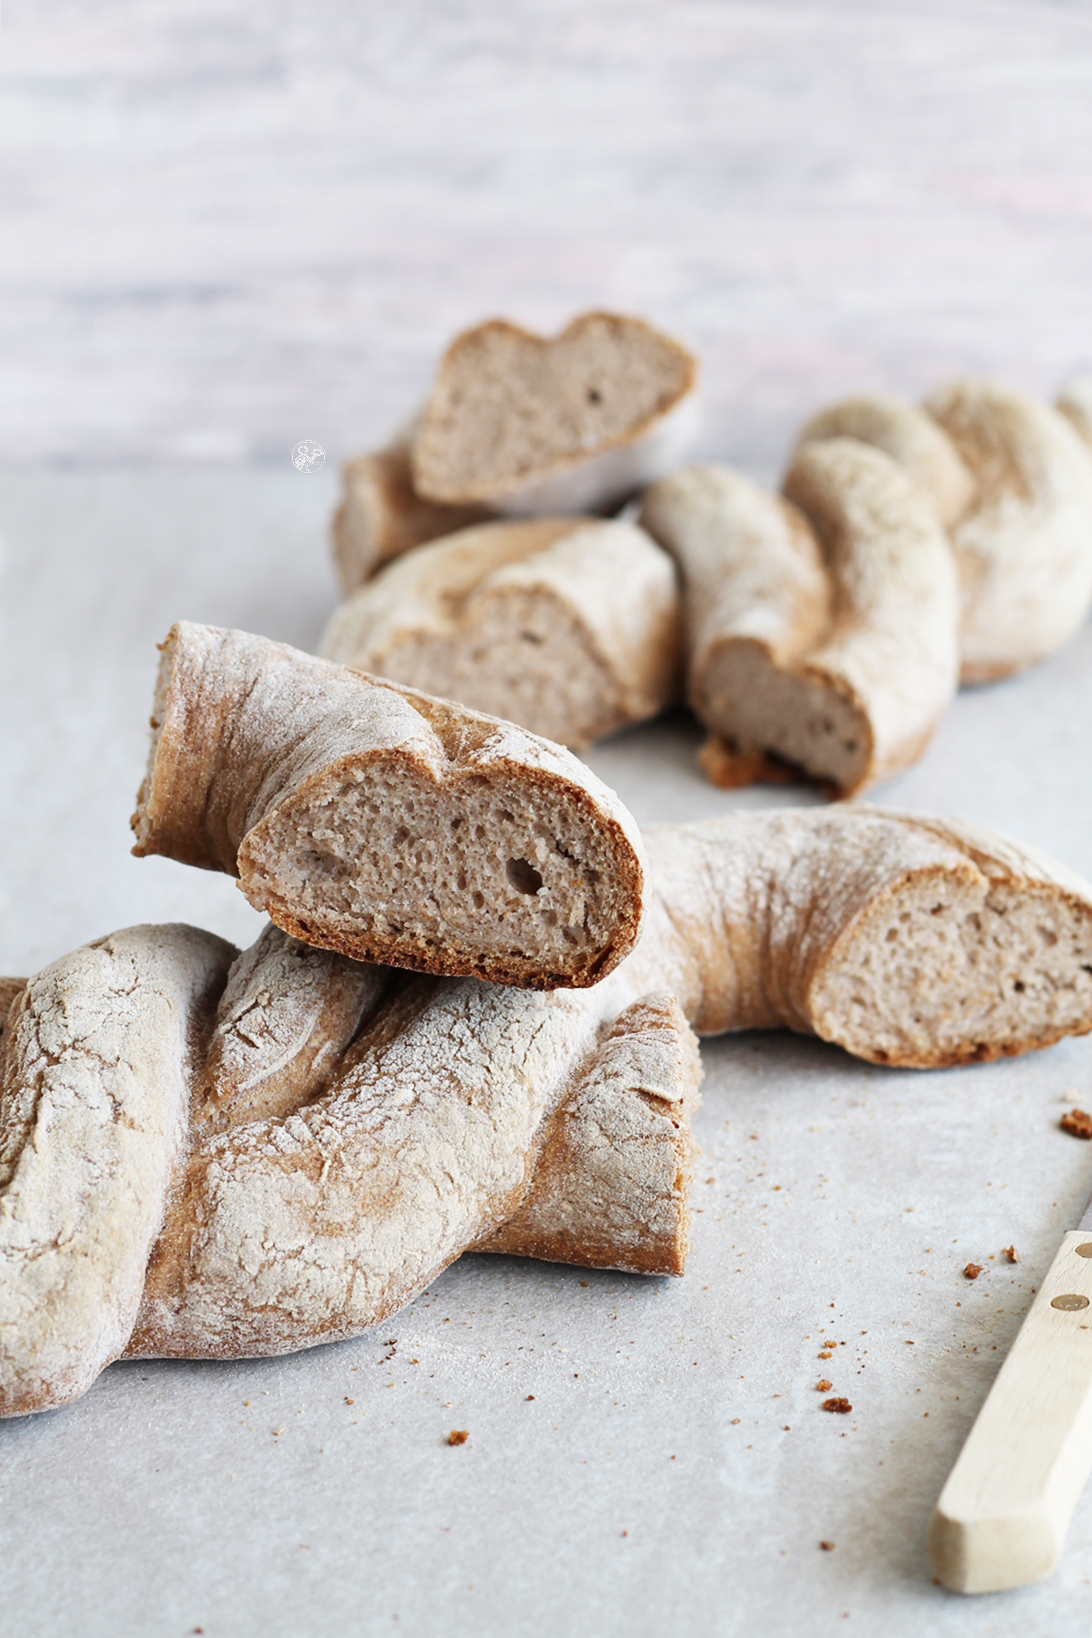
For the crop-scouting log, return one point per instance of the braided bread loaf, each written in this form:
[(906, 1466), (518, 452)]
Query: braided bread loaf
[(832, 636), (207, 1155)]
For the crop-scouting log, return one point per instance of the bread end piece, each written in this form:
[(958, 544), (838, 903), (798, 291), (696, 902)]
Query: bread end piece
[(612, 1179), (577, 422), (386, 825)]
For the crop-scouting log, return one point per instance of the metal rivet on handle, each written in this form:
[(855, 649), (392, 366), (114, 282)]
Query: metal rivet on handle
[(1085, 1250), (1069, 1300)]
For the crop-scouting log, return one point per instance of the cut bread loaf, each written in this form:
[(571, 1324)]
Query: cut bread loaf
[(380, 516), (822, 632), (216, 1158), (568, 626), (906, 940), (575, 423), (384, 824)]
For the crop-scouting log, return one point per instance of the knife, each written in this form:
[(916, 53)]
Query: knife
[(1001, 1519)]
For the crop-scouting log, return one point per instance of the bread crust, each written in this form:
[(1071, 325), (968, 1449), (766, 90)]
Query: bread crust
[(337, 801), (568, 626), (380, 515), (577, 422), (1024, 549)]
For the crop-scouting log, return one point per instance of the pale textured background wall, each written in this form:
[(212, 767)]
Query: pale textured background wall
[(230, 225)]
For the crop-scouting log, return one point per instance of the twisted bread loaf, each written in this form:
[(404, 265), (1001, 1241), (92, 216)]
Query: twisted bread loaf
[(211, 1155), (823, 631), (1014, 486), (376, 821), (568, 626), (838, 654)]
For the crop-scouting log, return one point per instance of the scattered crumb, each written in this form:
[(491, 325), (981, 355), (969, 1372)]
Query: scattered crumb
[(349, 1401), (1010, 1254), (841, 1407), (827, 1546), (530, 1396), (1077, 1123), (825, 1354), (735, 1421), (972, 1271), (584, 1282), (823, 1386), (732, 769), (276, 1431), (625, 1532), (458, 1436)]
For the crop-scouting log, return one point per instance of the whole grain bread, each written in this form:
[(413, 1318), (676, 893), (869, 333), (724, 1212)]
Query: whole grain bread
[(568, 626), (295, 1144), (373, 820), (822, 632), (575, 423), (1024, 549)]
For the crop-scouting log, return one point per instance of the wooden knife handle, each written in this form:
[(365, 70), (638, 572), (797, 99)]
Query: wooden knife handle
[(1002, 1517)]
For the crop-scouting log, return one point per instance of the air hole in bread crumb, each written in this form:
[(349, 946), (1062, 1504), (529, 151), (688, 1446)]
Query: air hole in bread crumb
[(523, 876)]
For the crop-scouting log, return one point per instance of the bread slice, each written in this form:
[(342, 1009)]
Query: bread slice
[(376, 821), (380, 516), (575, 423), (906, 940), (822, 632), (1024, 550), (568, 626)]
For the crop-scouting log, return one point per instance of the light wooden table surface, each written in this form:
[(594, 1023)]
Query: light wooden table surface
[(227, 228)]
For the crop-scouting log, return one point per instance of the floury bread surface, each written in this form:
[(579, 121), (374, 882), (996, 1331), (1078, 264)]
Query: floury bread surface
[(575, 423), (1011, 479), (378, 822), (208, 1158), (823, 629), (294, 1144), (568, 626)]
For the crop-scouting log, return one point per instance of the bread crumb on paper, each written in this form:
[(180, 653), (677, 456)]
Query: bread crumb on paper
[(1077, 1123), (840, 1407), (1010, 1254), (823, 1386), (458, 1436), (972, 1271), (827, 1546)]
